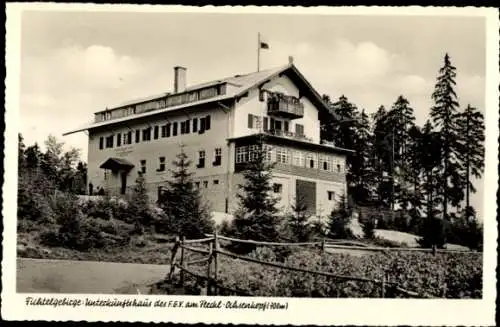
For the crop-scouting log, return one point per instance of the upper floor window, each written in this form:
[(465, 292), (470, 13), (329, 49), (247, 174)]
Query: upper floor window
[(241, 154), (118, 139), (156, 132), (174, 129), (127, 138), (298, 158), (282, 155), (253, 121), (218, 157), (201, 159), (137, 136), (204, 124), (268, 152), (183, 127), (195, 125), (311, 160), (146, 134), (108, 115), (299, 129), (162, 164), (101, 143), (109, 141), (331, 195), (253, 152)]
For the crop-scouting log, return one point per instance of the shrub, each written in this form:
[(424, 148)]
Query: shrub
[(369, 229)]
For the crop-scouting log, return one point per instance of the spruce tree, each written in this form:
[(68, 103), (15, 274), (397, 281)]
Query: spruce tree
[(444, 114), (471, 131), (139, 210), (187, 214), (257, 217), (299, 221)]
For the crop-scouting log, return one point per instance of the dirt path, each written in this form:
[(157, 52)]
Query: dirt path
[(85, 277)]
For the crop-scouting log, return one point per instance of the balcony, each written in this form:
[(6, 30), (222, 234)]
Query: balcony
[(290, 135), (281, 105)]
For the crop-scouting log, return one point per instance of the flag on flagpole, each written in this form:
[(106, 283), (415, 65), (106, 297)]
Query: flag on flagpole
[(262, 43)]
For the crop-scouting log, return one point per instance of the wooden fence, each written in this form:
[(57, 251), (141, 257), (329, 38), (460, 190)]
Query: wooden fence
[(213, 284)]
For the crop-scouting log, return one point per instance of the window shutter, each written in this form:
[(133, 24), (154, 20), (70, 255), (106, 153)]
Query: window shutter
[(202, 126), (195, 125), (101, 143), (250, 121), (265, 124), (207, 123), (119, 139)]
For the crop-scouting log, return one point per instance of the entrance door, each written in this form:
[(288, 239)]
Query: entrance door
[(123, 176)]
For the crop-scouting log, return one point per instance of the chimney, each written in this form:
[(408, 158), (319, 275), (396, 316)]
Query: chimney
[(290, 60), (179, 79)]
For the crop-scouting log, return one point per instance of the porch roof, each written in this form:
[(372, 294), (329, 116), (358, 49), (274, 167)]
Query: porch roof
[(116, 164)]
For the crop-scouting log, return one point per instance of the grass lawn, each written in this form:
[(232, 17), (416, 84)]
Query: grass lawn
[(85, 277)]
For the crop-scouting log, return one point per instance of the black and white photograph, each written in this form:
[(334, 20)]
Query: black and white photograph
[(185, 159)]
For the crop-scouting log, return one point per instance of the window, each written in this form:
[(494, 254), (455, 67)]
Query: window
[(164, 131), (205, 184), (187, 126), (339, 168), (195, 125), (241, 154), (197, 184), (298, 158), (277, 125), (174, 129), (146, 134), (101, 143), (156, 132), (162, 164), (202, 126), (261, 95), (331, 196), (282, 155), (118, 139), (168, 129), (285, 123), (143, 167), (250, 121), (253, 152), (299, 129), (216, 182), (207, 123), (277, 188), (311, 162), (183, 127), (109, 141), (108, 115), (201, 159), (268, 153), (137, 136), (265, 122), (218, 157), (127, 138), (323, 162)]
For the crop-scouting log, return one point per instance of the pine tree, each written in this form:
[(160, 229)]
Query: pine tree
[(299, 221), (444, 115), (401, 118), (362, 172), (257, 217), (471, 131), (139, 204), (187, 214), (429, 151)]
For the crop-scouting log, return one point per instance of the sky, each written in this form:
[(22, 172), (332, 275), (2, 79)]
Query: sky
[(76, 63)]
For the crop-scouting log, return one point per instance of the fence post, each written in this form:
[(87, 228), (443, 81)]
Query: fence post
[(209, 270), (172, 258), (216, 248), (182, 261), (383, 285), (322, 245)]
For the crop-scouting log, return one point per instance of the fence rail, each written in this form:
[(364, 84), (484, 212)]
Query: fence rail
[(213, 284)]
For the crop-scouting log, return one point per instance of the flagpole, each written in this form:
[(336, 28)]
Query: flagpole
[(258, 51)]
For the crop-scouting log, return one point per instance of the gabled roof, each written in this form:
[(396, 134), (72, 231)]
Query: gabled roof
[(240, 84)]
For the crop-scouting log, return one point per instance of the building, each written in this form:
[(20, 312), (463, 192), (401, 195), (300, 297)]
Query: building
[(218, 123)]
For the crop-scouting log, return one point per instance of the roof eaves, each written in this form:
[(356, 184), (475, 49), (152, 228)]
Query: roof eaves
[(147, 114)]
